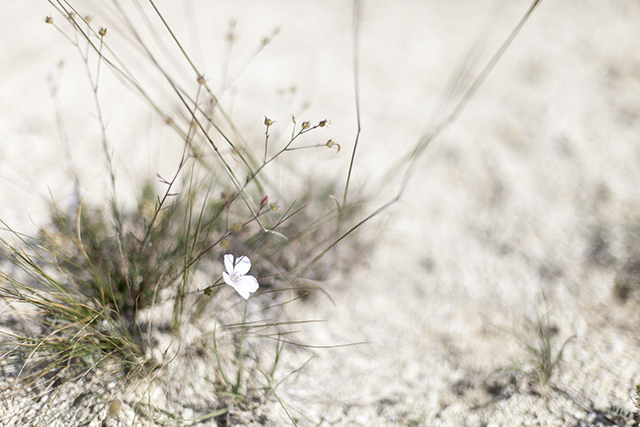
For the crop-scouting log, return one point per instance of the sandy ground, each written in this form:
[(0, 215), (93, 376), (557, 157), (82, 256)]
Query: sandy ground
[(532, 191)]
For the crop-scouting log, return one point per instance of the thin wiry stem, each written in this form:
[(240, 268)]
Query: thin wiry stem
[(356, 84), (437, 129), (228, 168), (103, 129)]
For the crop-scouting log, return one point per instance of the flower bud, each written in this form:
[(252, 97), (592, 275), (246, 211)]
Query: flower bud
[(331, 144)]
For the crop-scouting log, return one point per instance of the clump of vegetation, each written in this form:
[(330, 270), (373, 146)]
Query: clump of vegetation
[(543, 360), (89, 295)]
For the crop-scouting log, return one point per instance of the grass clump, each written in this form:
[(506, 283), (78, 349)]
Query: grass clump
[(123, 304), (95, 281), (544, 357)]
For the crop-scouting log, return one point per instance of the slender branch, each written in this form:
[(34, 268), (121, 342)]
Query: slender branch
[(356, 84)]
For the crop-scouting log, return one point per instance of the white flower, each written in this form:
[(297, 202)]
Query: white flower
[(236, 275)]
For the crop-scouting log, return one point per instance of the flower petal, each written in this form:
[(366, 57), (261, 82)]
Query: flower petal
[(243, 293), (248, 283), (245, 286), (228, 263), (227, 279), (242, 265), (236, 285)]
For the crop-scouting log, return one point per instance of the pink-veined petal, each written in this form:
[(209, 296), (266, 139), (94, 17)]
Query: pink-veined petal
[(236, 285), (242, 265), (245, 285), (228, 263)]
